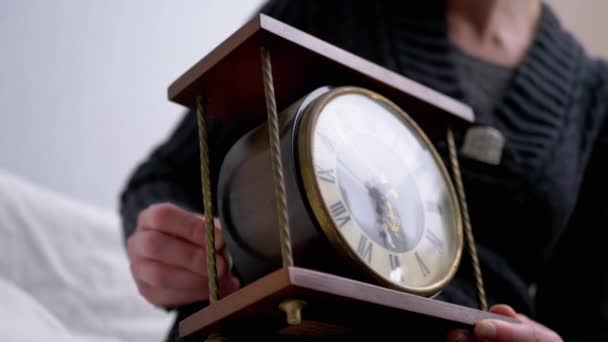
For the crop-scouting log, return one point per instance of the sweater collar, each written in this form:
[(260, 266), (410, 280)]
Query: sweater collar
[(542, 87)]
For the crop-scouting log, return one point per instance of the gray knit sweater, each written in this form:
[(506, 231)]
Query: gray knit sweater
[(538, 217)]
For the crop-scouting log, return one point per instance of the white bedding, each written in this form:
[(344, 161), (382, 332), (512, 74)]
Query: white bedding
[(64, 274)]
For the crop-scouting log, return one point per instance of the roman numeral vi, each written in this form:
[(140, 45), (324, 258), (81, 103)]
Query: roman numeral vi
[(394, 261), (365, 248)]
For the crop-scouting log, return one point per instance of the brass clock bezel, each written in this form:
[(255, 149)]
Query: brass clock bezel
[(315, 200)]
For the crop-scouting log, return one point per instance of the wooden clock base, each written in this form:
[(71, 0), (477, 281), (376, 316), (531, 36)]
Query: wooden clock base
[(335, 307)]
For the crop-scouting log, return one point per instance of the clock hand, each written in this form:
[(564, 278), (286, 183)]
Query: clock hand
[(391, 218), (360, 164), (383, 235), (389, 238), (355, 175)]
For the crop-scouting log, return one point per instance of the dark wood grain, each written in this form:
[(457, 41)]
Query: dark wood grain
[(336, 306), (230, 75)]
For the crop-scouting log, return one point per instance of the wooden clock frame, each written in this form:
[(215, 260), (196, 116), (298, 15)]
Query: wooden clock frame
[(263, 67)]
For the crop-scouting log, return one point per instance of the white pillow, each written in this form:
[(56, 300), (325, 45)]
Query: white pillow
[(67, 259)]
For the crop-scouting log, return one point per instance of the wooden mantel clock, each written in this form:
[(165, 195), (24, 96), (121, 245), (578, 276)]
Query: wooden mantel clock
[(339, 215)]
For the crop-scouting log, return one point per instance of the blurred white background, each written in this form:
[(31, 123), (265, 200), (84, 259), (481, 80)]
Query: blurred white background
[(83, 99), (83, 83)]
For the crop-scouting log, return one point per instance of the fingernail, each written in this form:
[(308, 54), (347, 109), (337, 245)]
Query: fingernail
[(486, 330)]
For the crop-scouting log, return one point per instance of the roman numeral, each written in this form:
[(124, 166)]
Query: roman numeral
[(365, 248), (326, 175), (394, 260), (339, 213), (435, 241), (425, 270)]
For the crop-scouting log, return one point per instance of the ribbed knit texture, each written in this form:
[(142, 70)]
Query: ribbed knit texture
[(534, 216)]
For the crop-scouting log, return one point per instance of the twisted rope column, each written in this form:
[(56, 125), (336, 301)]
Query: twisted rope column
[(291, 307), (208, 210), (481, 293), (277, 165), (207, 201)]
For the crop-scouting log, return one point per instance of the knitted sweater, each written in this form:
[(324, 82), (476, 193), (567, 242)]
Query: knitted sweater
[(537, 216)]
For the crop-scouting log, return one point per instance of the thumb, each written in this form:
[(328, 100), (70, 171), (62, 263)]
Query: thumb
[(500, 331), (504, 310)]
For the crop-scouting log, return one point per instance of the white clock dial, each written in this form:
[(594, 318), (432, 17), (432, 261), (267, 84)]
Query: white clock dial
[(382, 186)]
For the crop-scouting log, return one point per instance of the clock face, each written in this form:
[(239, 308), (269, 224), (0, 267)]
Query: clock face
[(388, 200)]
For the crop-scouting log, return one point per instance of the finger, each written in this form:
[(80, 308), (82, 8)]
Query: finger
[(542, 332), (228, 284), (163, 276), (168, 297), (499, 331), (173, 220), (503, 309), (172, 251)]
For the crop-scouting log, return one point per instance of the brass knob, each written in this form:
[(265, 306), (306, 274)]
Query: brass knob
[(293, 309), (216, 338)]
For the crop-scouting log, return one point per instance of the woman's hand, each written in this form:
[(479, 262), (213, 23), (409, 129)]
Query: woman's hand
[(500, 331), (169, 260)]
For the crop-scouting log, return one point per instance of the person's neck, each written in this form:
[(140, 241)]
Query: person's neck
[(496, 30)]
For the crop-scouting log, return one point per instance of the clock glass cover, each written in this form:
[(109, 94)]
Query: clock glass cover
[(380, 190)]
